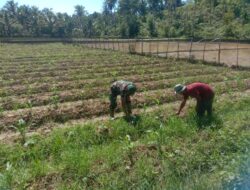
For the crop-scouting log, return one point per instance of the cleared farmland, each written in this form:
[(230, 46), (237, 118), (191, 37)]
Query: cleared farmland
[(56, 82), (67, 142), (228, 53)]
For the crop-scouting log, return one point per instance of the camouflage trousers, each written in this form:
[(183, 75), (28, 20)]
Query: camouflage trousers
[(113, 98)]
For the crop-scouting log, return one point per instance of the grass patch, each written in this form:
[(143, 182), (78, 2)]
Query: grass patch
[(151, 152)]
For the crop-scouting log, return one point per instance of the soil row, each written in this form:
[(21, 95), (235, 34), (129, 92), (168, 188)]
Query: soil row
[(40, 62), (97, 107), (30, 89), (22, 60), (101, 88), (68, 78), (83, 70), (39, 52), (10, 137), (88, 65)]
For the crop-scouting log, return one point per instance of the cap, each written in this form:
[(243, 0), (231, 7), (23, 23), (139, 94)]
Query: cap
[(179, 88), (131, 89)]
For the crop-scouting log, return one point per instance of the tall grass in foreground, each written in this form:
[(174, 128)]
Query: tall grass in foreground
[(151, 152)]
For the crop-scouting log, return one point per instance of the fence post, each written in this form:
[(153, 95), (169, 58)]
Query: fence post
[(157, 48), (113, 41), (204, 50), (167, 48), (190, 50), (122, 45), (149, 47), (142, 46), (237, 63), (118, 44), (129, 42), (178, 46), (219, 52)]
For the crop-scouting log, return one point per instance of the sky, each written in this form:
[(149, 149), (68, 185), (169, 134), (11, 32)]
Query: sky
[(61, 5)]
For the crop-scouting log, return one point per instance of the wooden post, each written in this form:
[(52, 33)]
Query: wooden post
[(129, 42), (118, 43), (142, 46), (149, 47), (204, 50), (237, 63), (178, 46), (167, 48), (113, 41), (190, 50), (157, 48), (122, 45), (219, 51)]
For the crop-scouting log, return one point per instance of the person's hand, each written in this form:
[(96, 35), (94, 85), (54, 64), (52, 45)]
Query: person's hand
[(112, 118)]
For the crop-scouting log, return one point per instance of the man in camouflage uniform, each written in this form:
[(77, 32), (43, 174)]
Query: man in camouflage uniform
[(125, 89)]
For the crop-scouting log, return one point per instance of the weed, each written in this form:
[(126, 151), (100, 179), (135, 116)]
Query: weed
[(21, 127)]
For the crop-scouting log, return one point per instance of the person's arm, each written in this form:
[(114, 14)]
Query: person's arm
[(183, 103)]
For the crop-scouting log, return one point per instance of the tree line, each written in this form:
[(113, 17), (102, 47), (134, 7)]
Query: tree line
[(132, 19)]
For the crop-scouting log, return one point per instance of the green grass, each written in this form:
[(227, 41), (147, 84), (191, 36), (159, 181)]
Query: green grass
[(152, 152)]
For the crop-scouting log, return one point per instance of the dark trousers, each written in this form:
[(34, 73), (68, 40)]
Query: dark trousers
[(203, 106), (113, 98)]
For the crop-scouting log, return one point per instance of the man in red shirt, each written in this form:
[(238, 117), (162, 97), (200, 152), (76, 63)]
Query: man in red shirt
[(203, 94)]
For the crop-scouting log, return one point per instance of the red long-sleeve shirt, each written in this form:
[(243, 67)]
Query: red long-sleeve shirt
[(199, 91)]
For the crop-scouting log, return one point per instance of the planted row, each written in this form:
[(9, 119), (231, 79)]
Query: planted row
[(100, 89), (98, 107)]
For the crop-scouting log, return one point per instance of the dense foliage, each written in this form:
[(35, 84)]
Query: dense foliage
[(132, 18)]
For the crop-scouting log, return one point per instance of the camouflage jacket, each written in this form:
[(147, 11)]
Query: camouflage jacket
[(120, 87)]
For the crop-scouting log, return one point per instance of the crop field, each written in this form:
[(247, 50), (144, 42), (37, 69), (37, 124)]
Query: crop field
[(50, 86)]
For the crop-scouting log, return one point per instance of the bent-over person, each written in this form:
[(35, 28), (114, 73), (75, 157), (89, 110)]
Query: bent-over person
[(125, 89), (203, 94)]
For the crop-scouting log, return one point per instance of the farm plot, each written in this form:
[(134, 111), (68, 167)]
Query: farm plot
[(56, 82), (231, 54), (55, 85)]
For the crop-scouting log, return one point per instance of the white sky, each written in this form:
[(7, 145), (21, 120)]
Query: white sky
[(61, 5)]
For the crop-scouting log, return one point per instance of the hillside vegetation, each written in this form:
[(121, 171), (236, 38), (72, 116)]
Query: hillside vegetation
[(228, 19)]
